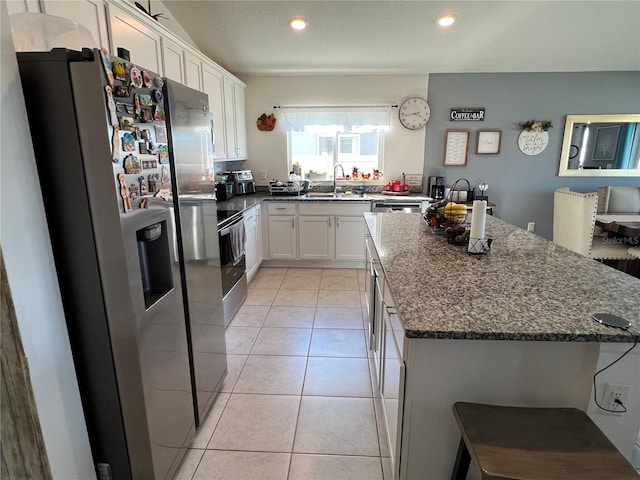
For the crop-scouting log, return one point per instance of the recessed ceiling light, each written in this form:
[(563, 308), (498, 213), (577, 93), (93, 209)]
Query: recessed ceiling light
[(446, 20), (298, 23)]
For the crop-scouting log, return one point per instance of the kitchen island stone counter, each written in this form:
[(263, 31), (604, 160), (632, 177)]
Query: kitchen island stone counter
[(513, 327), (526, 288)]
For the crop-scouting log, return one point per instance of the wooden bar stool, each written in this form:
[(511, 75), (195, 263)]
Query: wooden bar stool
[(517, 443)]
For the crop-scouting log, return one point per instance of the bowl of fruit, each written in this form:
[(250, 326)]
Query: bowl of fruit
[(457, 235), (445, 213)]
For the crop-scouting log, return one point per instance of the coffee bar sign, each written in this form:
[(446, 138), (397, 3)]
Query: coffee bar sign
[(467, 115)]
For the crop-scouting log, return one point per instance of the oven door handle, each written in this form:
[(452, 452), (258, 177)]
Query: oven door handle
[(227, 229)]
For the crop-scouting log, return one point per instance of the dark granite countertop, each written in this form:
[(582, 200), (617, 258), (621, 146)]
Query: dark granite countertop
[(342, 197), (526, 288), (242, 202)]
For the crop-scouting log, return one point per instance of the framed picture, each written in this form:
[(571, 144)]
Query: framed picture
[(606, 143), (488, 142), (456, 146)]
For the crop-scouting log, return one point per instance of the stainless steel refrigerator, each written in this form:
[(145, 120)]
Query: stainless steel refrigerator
[(144, 317)]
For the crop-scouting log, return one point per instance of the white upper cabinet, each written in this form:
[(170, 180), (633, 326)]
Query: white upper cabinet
[(230, 118), (22, 6), (193, 71), (114, 24), (173, 60), (213, 86), (143, 43), (235, 118), (241, 134), (88, 13)]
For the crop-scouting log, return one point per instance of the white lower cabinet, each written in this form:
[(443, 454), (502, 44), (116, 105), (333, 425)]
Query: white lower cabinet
[(332, 231), (385, 338), (349, 235), (253, 247), (317, 237), (376, 322), (283, 230), (282, 237), (392, 386)]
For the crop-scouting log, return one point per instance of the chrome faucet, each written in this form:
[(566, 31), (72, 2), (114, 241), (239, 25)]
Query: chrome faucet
[(334, 175)]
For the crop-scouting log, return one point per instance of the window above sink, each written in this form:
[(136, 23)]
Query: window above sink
[(319, 138)]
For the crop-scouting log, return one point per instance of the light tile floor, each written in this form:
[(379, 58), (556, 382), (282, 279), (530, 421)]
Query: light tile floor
[(298, 402)]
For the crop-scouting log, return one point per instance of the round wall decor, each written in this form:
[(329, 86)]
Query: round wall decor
[(533, 143)]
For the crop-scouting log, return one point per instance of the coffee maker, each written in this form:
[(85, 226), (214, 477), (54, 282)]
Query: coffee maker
[(435, 187)]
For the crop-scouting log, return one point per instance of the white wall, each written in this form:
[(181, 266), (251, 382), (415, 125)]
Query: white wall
[(404, 149), (169, 21), (34, 286)]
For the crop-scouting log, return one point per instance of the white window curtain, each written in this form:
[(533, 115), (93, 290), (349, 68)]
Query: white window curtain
[(336, 119)]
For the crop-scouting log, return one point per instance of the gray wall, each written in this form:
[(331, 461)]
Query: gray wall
[(522, 186)]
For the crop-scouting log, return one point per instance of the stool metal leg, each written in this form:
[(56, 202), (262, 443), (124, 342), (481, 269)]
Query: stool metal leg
[(461, 467)]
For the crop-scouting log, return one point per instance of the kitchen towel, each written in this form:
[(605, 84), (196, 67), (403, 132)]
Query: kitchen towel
[(237, 238)]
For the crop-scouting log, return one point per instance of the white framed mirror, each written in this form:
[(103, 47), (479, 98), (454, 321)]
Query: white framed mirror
[(601, 146)]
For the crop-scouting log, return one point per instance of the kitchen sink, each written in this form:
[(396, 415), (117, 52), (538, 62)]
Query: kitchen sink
[(321, 195)]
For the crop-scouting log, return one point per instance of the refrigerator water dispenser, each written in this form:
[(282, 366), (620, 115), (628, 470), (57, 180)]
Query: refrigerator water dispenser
[(155, 262)]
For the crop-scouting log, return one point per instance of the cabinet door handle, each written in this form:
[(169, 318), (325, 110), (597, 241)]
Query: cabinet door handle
[(391, 310), (281, 208), (329, 222), (293, 223), (337, 222)]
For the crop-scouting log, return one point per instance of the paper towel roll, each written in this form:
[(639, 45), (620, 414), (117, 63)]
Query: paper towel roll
[(478, 221)]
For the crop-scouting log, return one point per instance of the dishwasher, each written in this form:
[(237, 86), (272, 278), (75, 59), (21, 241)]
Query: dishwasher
[(401, 207)]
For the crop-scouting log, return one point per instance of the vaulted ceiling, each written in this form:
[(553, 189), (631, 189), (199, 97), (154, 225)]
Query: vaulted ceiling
[(396, 37)]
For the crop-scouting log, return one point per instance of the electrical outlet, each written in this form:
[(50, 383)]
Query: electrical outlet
[(263, 174), (613, 392), (531, 226)]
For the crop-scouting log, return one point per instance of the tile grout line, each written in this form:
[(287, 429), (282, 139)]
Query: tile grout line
[(308, 356)]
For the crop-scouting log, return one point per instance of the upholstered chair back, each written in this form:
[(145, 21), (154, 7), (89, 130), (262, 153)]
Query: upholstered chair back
[(574, 226), (619, 200)]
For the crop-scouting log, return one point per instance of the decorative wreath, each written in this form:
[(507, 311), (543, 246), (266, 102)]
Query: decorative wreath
[(535, 126), (266, 123)]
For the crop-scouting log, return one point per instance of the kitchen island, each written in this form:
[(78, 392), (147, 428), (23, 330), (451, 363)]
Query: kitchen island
[(513, 327)]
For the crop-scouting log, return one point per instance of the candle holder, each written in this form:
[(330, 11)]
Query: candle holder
[(483, 187)]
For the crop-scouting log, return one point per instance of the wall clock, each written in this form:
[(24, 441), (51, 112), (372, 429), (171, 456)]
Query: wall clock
[(414, 113)]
